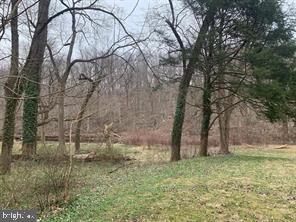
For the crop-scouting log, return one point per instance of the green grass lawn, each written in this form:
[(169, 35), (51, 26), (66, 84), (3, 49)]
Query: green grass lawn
[(251, 185)]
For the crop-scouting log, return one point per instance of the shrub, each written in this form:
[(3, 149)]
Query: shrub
[(36, 184)]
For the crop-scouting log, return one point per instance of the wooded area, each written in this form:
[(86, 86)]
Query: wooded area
[(89, 82)]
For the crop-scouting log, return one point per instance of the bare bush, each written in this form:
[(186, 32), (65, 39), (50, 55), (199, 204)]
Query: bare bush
[(38, 184)]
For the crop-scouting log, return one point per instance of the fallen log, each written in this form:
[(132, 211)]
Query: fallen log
[(282, 147), (88, 157)]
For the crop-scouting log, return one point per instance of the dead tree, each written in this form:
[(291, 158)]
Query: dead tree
[(90, 91)]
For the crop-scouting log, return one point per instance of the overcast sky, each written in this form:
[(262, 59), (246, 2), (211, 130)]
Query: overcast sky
[(137, 11), (141, 7)]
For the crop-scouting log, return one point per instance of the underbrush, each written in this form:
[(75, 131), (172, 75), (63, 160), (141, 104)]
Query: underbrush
[(255, 184), (47, 181), (40, 183)]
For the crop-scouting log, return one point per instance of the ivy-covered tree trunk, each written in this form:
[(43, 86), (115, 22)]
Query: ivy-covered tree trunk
[(30, 114), (8, 135), (183, 88), (179, 116), (206, 116), (12, 94), (32, 72), (208, 71)]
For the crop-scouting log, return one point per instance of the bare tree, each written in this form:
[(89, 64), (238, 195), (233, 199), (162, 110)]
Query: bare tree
[(90, 91), (62, 75)]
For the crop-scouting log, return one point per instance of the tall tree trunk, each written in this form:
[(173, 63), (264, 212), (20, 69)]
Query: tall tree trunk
[(207, 92), (80, 115), (179, 117), (30, 115), (183, 88), (224, 127), (61, 120), (32, 71), (61, 149), (12, 91), (224, 108), (206, 116), (225, 99)]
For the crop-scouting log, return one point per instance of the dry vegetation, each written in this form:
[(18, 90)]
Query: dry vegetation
[(130, 183)]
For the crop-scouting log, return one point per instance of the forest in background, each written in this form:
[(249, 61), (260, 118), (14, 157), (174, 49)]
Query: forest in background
[(89, 89), (131, 79)]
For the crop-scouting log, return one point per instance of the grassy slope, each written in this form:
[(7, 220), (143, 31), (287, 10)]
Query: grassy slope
[(252, 185)]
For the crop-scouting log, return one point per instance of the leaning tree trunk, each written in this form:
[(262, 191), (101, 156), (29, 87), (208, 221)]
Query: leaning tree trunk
[(12, 94), (179, 116), (80, 115), (32, 72), (183, 89), (206, 116)]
